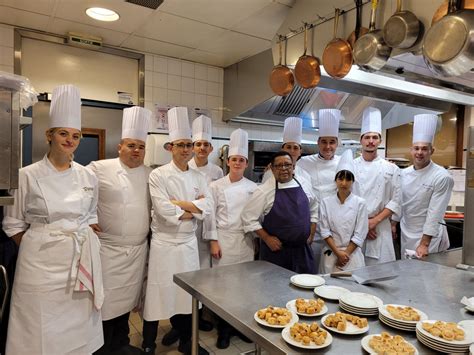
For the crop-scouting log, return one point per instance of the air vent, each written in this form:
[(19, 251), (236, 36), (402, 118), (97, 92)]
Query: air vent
[(151, 4), (293, 104)]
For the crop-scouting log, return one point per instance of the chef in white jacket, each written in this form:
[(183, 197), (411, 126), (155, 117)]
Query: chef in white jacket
[(230, 194), (321, 167), (378, 183), (202, 147), (292, 135), (343, 222), (57, 292), (124, 222), (426, 190), (179, 196)]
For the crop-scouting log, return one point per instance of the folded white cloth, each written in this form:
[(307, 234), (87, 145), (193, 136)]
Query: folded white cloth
[(410, 254), (468, 302)]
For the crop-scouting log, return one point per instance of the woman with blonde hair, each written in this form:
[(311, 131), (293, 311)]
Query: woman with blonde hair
[(57, 291)]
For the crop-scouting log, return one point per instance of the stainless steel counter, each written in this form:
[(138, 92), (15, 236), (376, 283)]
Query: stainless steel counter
[(235, 292), (449, 258)]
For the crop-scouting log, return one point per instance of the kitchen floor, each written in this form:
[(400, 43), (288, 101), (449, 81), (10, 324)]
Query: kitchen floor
[(206, 339)]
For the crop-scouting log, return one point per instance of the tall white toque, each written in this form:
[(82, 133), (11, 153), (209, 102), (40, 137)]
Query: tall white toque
[(329, 122), (136, 123), (424, 128), (292, 130), (65, 109), (178, 124), (239, 143), (202, 129), (371, 121)]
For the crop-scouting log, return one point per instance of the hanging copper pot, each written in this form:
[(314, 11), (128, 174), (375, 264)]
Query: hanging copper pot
[(307, 71), (281, 78), (359, 30)]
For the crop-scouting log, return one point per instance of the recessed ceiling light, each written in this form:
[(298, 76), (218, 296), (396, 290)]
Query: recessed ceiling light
[(101, 14)]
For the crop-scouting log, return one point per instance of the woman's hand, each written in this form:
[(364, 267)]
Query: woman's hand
[(342, 258), (273, 243), (216, 251)]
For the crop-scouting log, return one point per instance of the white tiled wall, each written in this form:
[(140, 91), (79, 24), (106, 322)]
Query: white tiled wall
[(6, 49)]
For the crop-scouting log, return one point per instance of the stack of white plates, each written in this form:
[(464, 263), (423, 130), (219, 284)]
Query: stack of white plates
[(362, 304), (442, 345), (307, 280), (407, 325)]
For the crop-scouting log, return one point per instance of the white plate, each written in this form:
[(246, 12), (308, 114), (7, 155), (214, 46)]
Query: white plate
[(383, 310), (287, 337), (350, 330), (365, 344), (367, 310), (361, 300), (395, 325), (292, 307), (307, 280), (358, 311), (438, 347), (294, 319), (330, 292), (468, 326), (468, 338)]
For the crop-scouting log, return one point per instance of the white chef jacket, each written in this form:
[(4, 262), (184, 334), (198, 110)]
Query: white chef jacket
[(322, 173), (230, 199), (378, 183), (211, 172), (262, 200), (344, 223), (299, 173), (425, 197), (55, 209), (173, 247), (124, 217)]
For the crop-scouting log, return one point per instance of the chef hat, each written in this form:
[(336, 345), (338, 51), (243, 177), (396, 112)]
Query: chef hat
[(65, 109), (346, 162), (329, 122), (371, 121), (424, 128), (239, 143), (178, 124), (292, 130), (135, 123), (202, 129)]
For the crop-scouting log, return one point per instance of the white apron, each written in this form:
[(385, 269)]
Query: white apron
[(203, 247), (46, 316), (328, 262), (163, 297)]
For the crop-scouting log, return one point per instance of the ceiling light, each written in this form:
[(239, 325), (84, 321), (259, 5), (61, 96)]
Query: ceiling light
[(101, 14)]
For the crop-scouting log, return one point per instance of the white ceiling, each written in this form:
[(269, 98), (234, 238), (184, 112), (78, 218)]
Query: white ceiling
[(214, 32)]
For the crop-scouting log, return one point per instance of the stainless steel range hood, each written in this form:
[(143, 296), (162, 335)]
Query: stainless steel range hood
[(249, 99)]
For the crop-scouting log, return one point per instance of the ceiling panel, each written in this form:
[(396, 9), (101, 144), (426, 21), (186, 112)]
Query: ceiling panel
[(233, 43), (156, 47), (178, 30), (222, 13), (109, 37), (265, 22), (21, 18), (199, 56), (131, 16), (44, 7)]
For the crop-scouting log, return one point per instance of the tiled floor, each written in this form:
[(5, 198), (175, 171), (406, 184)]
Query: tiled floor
[(206, 339)]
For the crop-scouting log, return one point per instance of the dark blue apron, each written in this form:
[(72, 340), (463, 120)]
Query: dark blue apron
[(289, 220)]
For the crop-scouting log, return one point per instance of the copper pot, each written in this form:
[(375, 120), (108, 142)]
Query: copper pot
[(359, 30), (337, 56), (281, 78), (307, 71), (443, 10)]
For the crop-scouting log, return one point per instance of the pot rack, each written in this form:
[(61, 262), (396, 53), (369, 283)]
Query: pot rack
[(319, 21)]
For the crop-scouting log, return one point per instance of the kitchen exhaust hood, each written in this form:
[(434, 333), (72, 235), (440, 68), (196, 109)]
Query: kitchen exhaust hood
[(249, 99)]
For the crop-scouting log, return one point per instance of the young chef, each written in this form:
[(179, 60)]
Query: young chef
[(378, 183), (292, 134), (289, 210), (322, 166), (180, 196), (57, 292), (343, 222), (230, 194), (124, 221), (426, 189), (202, 147)]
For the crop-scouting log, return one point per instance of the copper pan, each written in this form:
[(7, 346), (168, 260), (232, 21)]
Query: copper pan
[(359, 30), (443, 10), (307, 70), (281, 78), (337, 56)]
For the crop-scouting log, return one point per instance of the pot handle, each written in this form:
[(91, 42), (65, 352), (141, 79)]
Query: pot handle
[(305, 38), (336, 21), (372, 15), (399, 5), (279, 49)]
